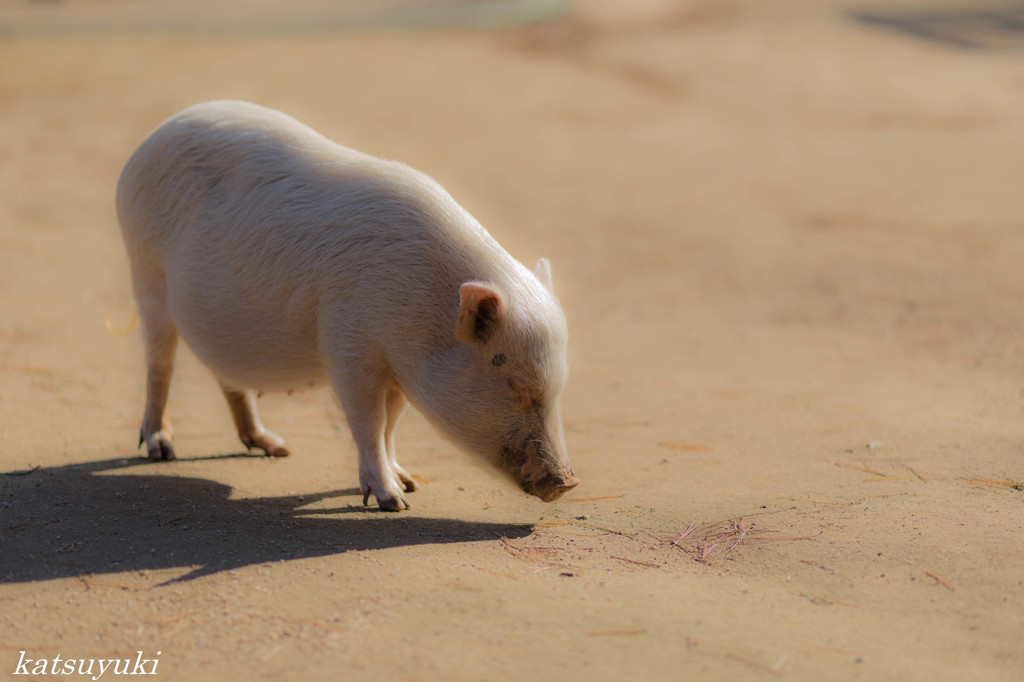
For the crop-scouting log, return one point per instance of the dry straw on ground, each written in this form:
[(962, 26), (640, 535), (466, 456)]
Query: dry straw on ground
[(708, 542)]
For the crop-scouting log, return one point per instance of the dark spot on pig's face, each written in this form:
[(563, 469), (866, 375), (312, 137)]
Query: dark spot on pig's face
[(499, 360)]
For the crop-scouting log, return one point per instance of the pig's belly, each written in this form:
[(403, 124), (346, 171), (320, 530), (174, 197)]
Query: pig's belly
[(247, 342)]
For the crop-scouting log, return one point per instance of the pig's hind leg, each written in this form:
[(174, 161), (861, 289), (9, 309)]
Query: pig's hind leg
[(161, 340), (247, 420), (396, 404)]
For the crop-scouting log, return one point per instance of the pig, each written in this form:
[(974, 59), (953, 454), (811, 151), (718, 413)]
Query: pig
[(285, 261)]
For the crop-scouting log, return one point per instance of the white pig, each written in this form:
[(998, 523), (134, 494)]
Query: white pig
[(285, 260)]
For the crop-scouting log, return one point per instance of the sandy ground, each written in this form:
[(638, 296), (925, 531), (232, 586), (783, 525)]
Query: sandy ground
[(789, 244)]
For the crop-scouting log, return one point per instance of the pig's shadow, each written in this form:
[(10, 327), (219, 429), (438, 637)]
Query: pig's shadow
[(72, 520)]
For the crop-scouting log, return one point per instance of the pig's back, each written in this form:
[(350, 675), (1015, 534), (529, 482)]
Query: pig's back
[(231, 169)]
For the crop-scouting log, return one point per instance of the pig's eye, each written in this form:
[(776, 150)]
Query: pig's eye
[(499, 360)]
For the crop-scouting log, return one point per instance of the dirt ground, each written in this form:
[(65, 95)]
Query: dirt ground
[(788, 237)]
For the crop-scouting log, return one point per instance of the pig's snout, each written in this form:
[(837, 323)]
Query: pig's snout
[(540, 470), (552, 486)]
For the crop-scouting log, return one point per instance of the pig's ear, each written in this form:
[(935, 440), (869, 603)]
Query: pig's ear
[(480, 312), (543, 273)]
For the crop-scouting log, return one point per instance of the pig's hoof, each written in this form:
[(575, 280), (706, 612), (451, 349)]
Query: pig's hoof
[(393, 504), (407, 481), (267, 441), (158, 446), (386, 502)]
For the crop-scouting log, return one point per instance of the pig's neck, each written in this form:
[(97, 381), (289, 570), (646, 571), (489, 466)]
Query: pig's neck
[(440, 388)]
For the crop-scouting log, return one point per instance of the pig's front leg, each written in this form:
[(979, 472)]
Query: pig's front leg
[(365, 405)]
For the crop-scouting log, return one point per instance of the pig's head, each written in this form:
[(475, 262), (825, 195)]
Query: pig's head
[(512, 369)]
